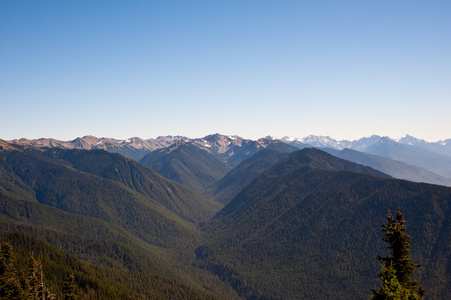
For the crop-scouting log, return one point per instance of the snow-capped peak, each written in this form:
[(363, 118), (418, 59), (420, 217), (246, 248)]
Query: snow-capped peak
[(289, 139)]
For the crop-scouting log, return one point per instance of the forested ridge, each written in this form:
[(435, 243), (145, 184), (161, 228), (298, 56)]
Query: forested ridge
[(312, 221), (187, 164), (123, 216), (303, 225), (91, 281)]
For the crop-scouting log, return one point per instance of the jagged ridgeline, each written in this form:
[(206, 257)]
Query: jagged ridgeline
[(406, 158)]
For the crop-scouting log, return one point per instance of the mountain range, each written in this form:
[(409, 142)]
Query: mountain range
[(423, 161), (134, 148), (221, 143), (441, 147), (224, 217)]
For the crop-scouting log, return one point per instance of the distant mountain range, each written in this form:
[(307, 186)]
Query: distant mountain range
[(138, 147), (422, 161), (134, 148), (441, 147), (391, 167)]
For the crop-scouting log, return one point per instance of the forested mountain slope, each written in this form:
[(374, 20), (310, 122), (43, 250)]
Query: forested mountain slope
[(85, 194), (175, 197), (312, 222), (90, 281), (187, 164), (303, 224), (115, 212), (231, 184)]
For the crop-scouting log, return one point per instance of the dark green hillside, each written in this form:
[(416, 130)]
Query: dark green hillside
[(103, 221), (305, 225), (187, 164), (87, 238), (81, 193), (298, 163), (231, 184), (309, 227), (175, 197), (94, 281)]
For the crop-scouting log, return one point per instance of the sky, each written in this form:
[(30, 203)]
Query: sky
[(252, 68)]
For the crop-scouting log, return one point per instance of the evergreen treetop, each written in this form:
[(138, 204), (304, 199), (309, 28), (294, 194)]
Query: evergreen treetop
[(398, 266)]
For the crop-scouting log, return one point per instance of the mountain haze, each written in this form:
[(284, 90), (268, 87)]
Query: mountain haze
[(391, 167), (437, 163), (422, 161), (440, 147)]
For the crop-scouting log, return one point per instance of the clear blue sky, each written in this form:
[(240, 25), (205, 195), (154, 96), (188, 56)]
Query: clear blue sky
[(120, 69)]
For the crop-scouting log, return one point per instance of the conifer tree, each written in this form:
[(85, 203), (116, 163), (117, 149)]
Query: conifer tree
[(35, 285), (10, 286), (69, 288), (398, 266), (391, 288)]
